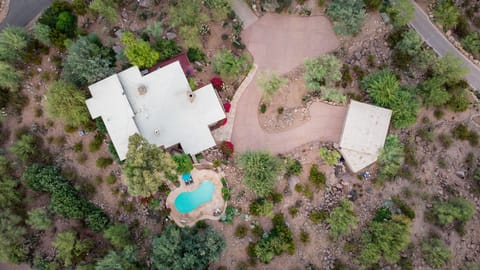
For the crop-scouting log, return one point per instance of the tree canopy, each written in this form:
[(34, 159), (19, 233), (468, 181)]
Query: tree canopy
[(342, 219), (70, 248), (12, 237), (66, 102), (139, 52), (401, 12), (453, 210), (13, 42), (186, 248), (118, 235), (146, 166), (9, 78), (348, 16), (446, 14), (87, 61), (260, 171), (322, 71)]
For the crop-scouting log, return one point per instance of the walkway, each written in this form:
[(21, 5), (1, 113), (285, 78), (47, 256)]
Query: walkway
[(280, 43), (440, 44), (21, 12), (244, 12)]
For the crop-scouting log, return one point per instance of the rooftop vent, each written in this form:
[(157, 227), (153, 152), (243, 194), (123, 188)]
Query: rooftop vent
[(191, 96), (157, 132), (142, 89)]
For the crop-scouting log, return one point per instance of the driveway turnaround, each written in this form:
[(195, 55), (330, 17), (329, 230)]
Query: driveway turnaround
[(21, 12), (280, 43), (441, 45)]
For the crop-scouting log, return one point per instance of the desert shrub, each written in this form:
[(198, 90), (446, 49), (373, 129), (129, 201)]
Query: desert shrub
[(12, 238), (446, 14), (26, 148), (471, 43), (333, 95), (293, 167), (276, 242), (66, 102), (261, 171), (433, 92), (166, 49), (459, 100), (220, 8), (449, 68), (401, 12), (229, 214), (101, 126), (316, 177), (331, 157), (70, 248), (230, 66), (261, 207), (96, 142), (241, 231), (391, 157), (106, 9), (39, 219), (293, 211), (270, 84), (113, 152), (454, 210), (118, 235), (318, 216), (462, 132), (342, 219), (111, 179), (10, 79), (322, 72), (348, 16), (155, 30), (103, 162), (263, 108), (404, 207), (435, 252), (139, 52)]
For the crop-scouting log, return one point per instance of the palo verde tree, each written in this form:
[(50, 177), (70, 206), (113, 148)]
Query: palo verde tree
[(87, 61), (66, 102), (260, 171), (348, 16), (186, 248), (139, 52), (146, 167)]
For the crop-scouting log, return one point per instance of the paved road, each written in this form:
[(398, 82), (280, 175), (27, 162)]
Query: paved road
[(281, 43), (440, 44), (21, 12)]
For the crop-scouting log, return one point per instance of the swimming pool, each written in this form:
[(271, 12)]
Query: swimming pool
[(186, 202)]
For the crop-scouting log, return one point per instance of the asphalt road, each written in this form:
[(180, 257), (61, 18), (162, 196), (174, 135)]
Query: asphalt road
[(440, 44), (21, 12)]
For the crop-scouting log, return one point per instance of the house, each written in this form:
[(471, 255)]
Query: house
[(160, 106), (364, 133)]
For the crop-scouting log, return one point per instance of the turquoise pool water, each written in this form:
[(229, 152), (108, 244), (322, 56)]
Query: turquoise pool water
[(186, 202)]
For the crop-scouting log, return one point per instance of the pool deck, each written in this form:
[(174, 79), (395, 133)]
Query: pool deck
[(204, 211)]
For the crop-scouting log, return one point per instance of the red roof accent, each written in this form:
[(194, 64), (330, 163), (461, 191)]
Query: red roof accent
[(184, 62)]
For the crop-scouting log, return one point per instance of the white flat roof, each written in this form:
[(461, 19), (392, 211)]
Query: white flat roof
[(364, 133), (163, 114)]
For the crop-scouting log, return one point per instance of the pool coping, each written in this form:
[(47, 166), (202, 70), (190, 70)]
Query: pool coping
[(201, 212)]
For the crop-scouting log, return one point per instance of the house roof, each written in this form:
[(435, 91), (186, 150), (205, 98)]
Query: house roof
[(364, 133), (159, 108)]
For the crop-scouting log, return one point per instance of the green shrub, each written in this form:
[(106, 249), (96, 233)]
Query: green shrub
[(103, 162), (331, 157), (304, 237), (96, 142), (113, 152), (348, 16), (229, 214), (102, 129), (196, 55), (111, 179), (453, 210), (230, 66), (184, 163), (317, 177), (293, 167), (261, 207), (342, 219), (333, 95), (263, 108), (446, 14), (39, 219), (270, 84), (276, 242), (445, 140), (241, 231), (391, 157), (318, 216), (435, 252), (322, 72), (404, 207), (461, 132), (118, 235), (293, 211)]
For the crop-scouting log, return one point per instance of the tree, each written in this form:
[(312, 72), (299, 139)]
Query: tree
[(471, 43), (184, 163), (12, 238), (404, 109), (435, 252), (10, 194), (453, 210), (118, 235), (348, 16), (39, 219), (119, 260), (322, 71), (42, 33), (342, 219), (446, 14), (70, 248), (139, 52), (270, 84), (410, 44), (66, 102), (385, 239), (276, 242), (434, 92), (260, 171), (87, 61), (66, 23), (105, 8), (13, 42), (146, 166), (450, 68), (25, 148), (9, 78), (230, 66), (186, 248), (401, 12), (62, 23), (391, 157)]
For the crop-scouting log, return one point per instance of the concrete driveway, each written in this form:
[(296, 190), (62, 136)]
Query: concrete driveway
[(280, 43), (21, 12)]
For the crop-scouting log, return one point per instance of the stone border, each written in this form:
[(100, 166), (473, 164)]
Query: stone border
[(224, 133), (4, 9)]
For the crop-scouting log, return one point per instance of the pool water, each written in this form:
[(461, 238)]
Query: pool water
[(186, 177), (186, 202)]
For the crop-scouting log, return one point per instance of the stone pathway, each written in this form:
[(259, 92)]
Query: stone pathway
[(280, 43)]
